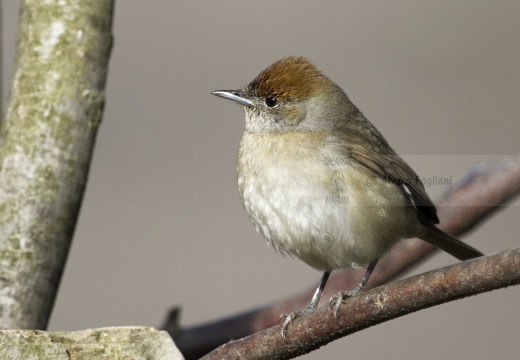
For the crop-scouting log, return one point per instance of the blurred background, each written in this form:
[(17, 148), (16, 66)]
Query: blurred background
[(162, 223)]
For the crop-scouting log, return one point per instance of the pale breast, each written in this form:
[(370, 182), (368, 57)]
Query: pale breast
[(312, 203)]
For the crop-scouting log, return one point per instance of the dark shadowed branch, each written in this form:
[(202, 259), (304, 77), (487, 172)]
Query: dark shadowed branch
[(481, 192)]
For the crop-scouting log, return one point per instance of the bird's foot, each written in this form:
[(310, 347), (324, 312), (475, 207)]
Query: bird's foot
[(289, 318), (337, 300)]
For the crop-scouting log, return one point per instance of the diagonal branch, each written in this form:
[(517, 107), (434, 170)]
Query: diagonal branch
[(46, 141), (379, 305), (481, 192)]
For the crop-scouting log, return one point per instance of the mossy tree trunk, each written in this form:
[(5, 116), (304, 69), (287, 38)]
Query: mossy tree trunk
[(46, 141), (136, 343)]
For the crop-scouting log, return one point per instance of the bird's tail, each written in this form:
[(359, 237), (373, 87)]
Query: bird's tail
[(448, 243)]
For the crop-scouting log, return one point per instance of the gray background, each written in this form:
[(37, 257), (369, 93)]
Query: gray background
[(162, 223)]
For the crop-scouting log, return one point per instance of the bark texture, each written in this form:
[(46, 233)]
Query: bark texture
[(46, 141)]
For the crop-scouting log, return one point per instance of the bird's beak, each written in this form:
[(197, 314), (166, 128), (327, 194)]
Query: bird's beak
[(237, 96)]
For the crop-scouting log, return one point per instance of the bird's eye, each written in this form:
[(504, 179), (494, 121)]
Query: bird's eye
[(271, 102)]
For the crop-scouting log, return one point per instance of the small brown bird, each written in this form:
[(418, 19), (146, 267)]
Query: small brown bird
[(321, 183)]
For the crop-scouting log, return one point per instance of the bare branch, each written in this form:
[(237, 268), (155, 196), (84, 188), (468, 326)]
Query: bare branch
[(46, 141), (478, 195), (378, 305)]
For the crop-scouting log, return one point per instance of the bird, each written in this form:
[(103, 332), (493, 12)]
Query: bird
[(321, 183)]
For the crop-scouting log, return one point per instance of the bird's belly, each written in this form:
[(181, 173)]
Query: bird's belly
[(330, 212), (328, 223)]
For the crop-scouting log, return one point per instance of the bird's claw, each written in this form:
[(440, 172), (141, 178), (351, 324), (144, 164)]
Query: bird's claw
[(289, 318), (337, 300)]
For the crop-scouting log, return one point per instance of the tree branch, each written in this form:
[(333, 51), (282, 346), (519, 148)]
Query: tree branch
[(46, 141), (473, 199), (377, 306)]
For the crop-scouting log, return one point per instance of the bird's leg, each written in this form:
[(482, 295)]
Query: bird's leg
[(312, 306), (338, 299)]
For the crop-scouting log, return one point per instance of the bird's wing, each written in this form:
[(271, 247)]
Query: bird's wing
[(363, 142)]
